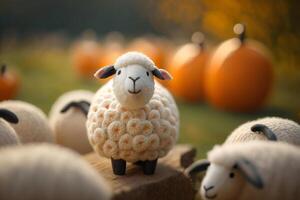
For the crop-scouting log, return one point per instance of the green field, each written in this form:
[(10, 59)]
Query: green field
[(47, 72)]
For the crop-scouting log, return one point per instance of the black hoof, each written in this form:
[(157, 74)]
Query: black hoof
[(149, 167), (119, 166)]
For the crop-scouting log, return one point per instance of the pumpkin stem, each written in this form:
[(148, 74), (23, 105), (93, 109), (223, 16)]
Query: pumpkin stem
[(240, 30), (3, 69), (198, 38)]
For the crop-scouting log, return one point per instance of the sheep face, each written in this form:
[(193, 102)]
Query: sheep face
[(133, 86), (133, 82), (221, 183), (225, 182)]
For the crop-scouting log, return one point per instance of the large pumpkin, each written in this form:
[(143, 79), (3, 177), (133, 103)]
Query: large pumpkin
[(187, 68), (151, 48), (113, 46), (86, 56), (239, 76), (9, 83)]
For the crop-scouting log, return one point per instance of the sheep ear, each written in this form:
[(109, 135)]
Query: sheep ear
[(85, 107), (197, 167), (9, 116), (250, 173), (82, 105), (162, 74), (105, 72), (265, 130)]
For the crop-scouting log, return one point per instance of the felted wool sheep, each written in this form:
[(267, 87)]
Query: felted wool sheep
[(269, 128), (48, 172), (33, 124), (253, 170), (132, 118), (8, 135), (68, 117)]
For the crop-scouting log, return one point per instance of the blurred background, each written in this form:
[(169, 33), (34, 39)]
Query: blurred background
[(50, 47)]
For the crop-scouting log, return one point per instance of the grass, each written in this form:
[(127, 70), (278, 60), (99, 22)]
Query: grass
[(47, 73)]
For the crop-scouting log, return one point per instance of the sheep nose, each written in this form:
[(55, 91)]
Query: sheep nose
[(134, 80), (207, 188)]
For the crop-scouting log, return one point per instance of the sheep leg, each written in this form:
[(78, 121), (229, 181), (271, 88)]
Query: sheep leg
[(149, 167), (119, 166)]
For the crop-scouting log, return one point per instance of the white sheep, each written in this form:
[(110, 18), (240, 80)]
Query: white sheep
[(33, 124), (132, 118), (269, 128), (68, 117), (8, 135), (252, 170), (48, 172)]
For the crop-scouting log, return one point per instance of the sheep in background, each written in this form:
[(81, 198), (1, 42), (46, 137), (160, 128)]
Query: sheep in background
[(8, 135), (67, 118), (48, 172), (252, 170), (33, 124), (269, 128), (132, 118)]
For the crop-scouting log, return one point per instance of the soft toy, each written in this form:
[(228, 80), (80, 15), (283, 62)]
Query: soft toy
[(8, 135), (132, 118), (68, 117), (33, 125), (268, 128), (48, 172), (253, 170)]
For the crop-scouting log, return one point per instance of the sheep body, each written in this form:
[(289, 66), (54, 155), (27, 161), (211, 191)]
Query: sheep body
[(33, 125), (285, 130), (48, 172), (69, 127), (142, 134), (277, 163), (8, 135)]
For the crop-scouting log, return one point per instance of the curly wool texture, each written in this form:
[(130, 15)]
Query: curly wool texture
[(278, 163), (143, 134), (69, 128), (8, 135), (285, 130), (48, 172), (33, 124)]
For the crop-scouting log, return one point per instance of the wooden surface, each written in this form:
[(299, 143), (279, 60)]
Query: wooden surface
[(168, 182)]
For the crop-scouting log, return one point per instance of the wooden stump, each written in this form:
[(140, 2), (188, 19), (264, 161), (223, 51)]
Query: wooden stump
[(168, 182)]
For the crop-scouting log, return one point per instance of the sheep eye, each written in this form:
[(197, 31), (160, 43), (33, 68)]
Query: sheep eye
[(147, 73), (119, 72), (231, 175)]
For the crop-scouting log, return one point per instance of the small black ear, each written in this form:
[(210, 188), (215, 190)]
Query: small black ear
[(197, 167), (85, 106), (157, 73), (250, 173), (9, 116), (82, 105), (105, 72), (265, 130)]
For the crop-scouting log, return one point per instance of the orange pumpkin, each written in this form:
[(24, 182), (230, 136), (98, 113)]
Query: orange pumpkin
[(151, 48), (113, 45), (187, 68), (86, 57), (240, 75), (9, 84)]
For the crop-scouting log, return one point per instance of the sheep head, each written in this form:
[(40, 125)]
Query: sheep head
[(225, 182), (133, 82)]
